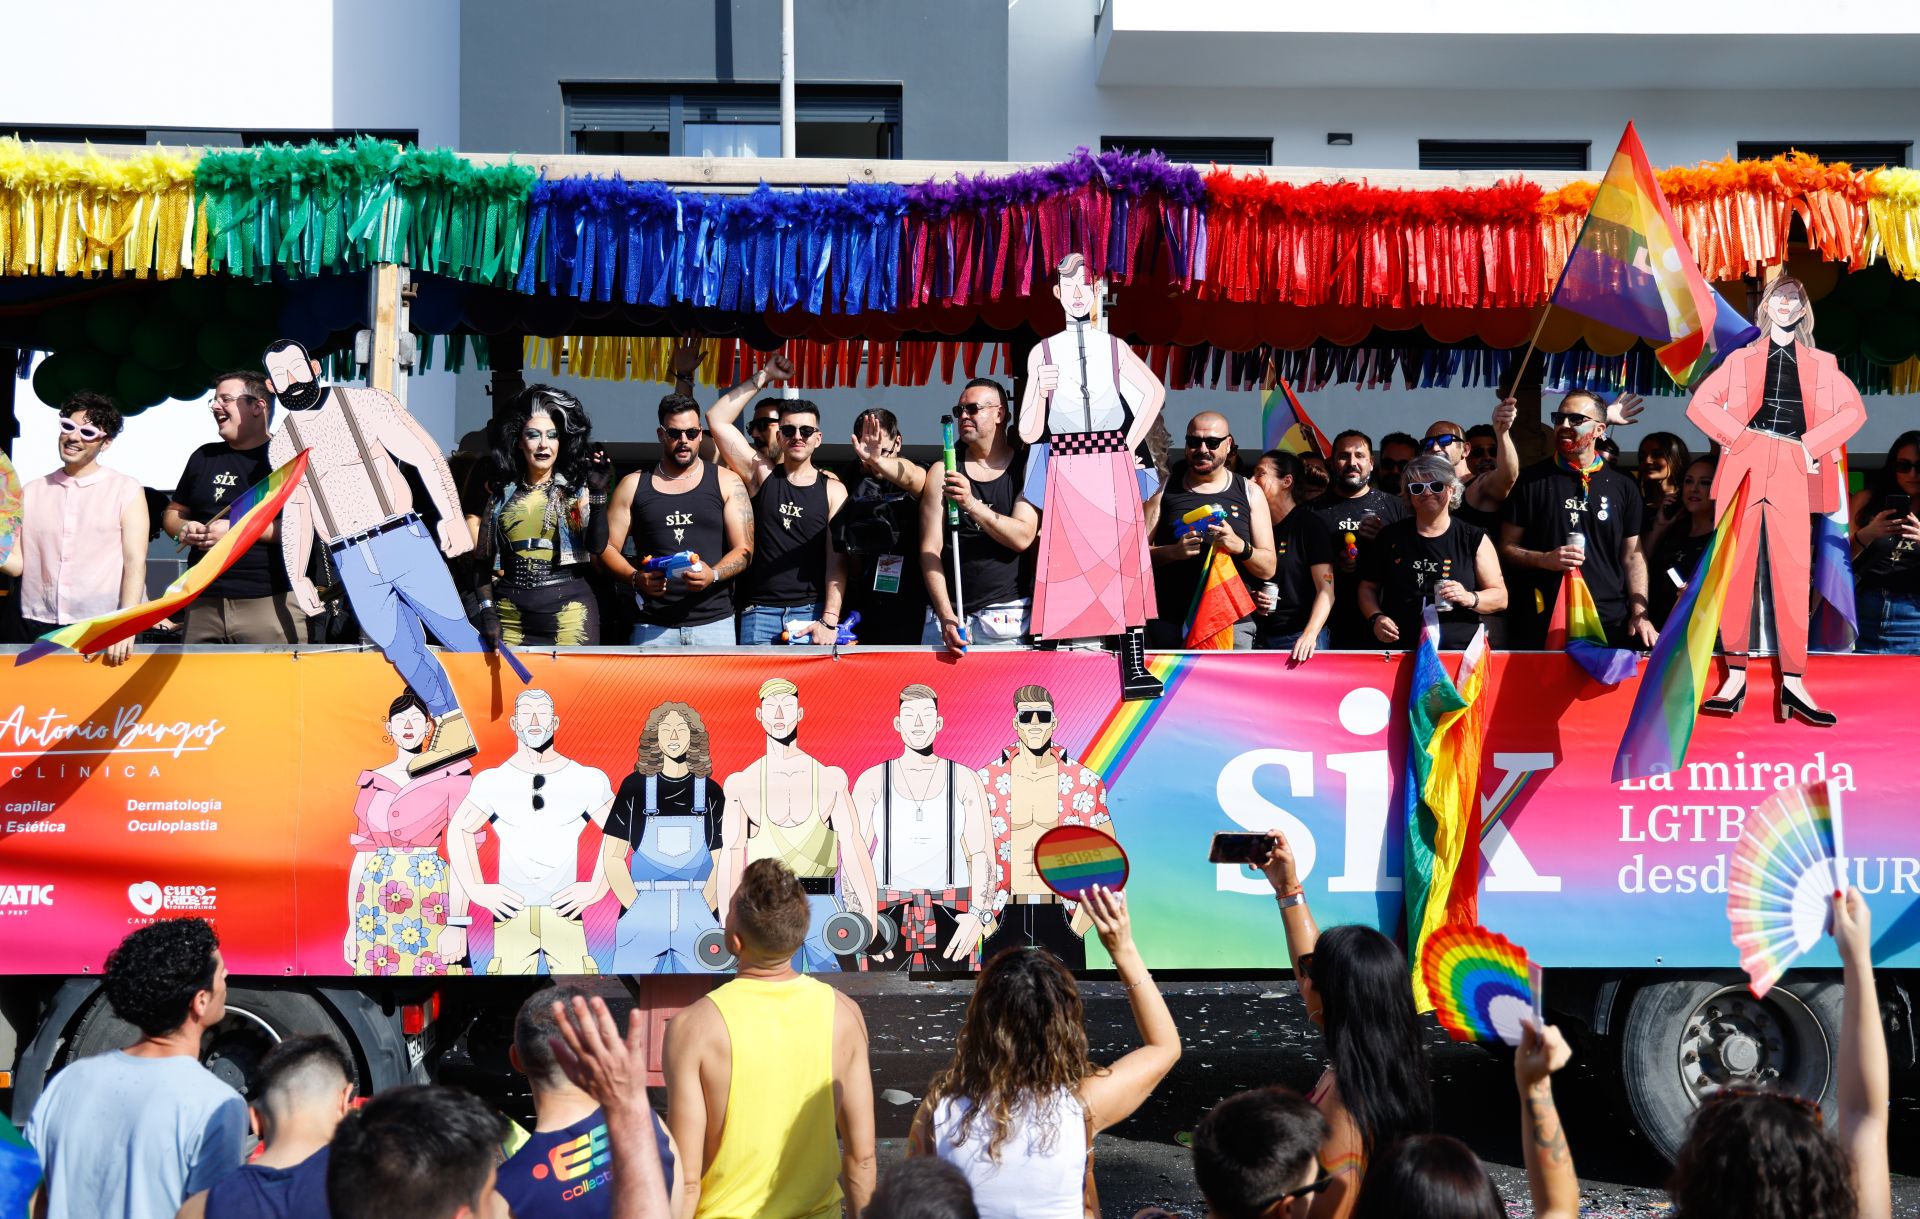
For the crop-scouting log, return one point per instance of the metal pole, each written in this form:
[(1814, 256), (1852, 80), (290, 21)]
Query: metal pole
[(787, 148)]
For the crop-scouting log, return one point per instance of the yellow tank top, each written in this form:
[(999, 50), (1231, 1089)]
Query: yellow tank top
[(779, 1156), (808, 848)]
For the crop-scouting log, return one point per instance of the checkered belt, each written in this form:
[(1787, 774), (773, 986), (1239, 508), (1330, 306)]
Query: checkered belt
[(918, 931), (1064, 444)]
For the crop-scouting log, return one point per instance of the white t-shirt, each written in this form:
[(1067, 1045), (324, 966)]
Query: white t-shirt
[(1026, 1182), (539, 847), (925, 850)]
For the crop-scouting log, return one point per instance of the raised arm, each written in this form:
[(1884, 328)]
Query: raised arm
[(1507, 472), (1863, 1088), (1551, 1180), (1283, 873), (723, 421), (613, 1071), (895, 469), (1113, 1096)]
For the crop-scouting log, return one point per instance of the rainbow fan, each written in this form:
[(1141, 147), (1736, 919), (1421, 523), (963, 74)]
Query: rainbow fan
[(1787, 866), (10, 499), (1480, 983), (1074, 858)]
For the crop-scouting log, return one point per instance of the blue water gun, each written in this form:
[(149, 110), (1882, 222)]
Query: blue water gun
[(843, 635), (1200, 520), (670, 565)]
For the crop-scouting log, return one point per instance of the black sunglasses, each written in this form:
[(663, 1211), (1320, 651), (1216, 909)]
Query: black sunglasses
[(1305, 1191), (683, 433), (799, 431), (1035, 715), (1210, 443), (1441, 441), (973, 408), (1903, 466), (1570, 419), (761, 425), (539, 801)]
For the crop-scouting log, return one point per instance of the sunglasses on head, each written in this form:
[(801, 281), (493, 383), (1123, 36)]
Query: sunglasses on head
[(539, 801), (1208, 443), (1036, 715), (1439, 442), (1419, 488), (1570, 419), (1903, 466), (799, 431), (84, 431), (683, 433)]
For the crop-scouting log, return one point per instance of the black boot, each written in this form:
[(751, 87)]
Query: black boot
[(1137, 684)]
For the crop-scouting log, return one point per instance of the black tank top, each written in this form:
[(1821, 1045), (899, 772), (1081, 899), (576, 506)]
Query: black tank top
[(789, 541), (692, 520), (990, 574), (1174, 583)]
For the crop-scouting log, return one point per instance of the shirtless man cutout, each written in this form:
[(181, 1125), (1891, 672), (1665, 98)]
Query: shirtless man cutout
[(787, 806), (927, 818)]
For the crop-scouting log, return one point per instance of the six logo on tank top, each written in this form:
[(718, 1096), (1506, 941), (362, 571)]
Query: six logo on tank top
[(789, 513), (678, 522)]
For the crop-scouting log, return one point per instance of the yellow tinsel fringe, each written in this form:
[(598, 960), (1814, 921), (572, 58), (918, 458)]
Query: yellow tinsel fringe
[(603, 357), (1895, 208), (86, 214)]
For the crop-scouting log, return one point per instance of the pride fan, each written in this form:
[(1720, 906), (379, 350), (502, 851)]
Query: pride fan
[(1074, 858), (1786, 867), (1480, 982)]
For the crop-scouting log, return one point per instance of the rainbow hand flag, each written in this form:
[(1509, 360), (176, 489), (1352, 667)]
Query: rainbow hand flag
[(1576, 628), (261, 504), (1284, 424), (11, 499), (1661, 723), (1836, 619), (1221, 600), (1446, 728), (1631, 269)]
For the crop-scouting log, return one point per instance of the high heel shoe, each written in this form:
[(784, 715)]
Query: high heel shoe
[(1792, 704), (1726, 706)]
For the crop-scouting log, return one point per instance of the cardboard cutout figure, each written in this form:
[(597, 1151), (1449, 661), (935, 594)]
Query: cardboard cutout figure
[(538, 803), (407, 915), (668, 814), (356, 501), (1781, 410), (926, 818), (11, 499), (785, 805), (1094, 576), (1034, 787)]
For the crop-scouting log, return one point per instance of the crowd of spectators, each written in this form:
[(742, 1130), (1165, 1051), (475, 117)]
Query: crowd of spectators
[(738, 535), (770, 1102)]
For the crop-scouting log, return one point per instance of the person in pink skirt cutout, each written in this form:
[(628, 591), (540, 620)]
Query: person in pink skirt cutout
[(1094, 576)]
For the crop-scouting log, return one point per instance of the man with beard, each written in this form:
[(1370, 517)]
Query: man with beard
[(997, 527), (1356, 512), (252, 601), (927, 816), (785, 805), (537, 803), (1207, 480), (799, 578), (355, 499), (1034, 787), (683, 503), (1488, 467)]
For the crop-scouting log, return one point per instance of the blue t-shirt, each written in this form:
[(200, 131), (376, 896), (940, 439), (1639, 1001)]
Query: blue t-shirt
[(258, 1192), (122, 1137), (569, 1172)]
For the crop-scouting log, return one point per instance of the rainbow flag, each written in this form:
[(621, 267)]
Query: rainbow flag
[(11, 499), (19, 1167), (1220, 601), (1576, 629), (1119, 736), (262, 503), (1836, 620), (1661, 723), (1446, 729), (1284, 424), (1631, 269)]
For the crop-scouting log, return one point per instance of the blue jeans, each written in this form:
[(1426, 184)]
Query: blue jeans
[(707, 635), (1889, 622), (399, 587), (1284, 643), (763, 623)]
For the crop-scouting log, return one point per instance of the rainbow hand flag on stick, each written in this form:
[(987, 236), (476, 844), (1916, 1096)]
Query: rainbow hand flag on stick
[(1221, 600), (251, 514), (1664, 711), (1631, 269), (1576, 628), (1285, 425)]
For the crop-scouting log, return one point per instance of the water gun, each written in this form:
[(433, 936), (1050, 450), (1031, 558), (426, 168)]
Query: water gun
[(951, 457), (1200, 520), (1353, 545), (670, 565), (843, 636)]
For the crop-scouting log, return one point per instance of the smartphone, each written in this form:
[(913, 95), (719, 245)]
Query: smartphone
[(1899, 504), (1679, 581), (1239, 847)]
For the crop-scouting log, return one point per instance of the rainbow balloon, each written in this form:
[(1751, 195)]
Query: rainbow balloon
[(1789, 862), (1074, 858), (1479, 983)]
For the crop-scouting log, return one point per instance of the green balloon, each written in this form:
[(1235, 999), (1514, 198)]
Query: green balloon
[(57, 377), (110, 325), (1836, 327), (138, 386), (64, 328), (1867, 289), (160, 341), (1890, 337), (195, 299), (96, 371), (190, 382)]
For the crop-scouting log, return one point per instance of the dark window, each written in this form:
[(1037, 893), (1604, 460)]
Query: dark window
[(1195, 150), (206, 137), (1861, 154), (1504, 154), (846, 121)]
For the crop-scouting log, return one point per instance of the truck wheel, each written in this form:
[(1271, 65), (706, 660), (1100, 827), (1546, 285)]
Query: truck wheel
[(1686, 1039), (256, 1021)]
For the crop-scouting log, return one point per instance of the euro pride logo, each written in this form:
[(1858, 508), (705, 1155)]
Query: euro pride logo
[(574, 1159), (150, 899)]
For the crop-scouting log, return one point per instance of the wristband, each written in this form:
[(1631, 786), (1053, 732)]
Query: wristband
[(1377, 616), (1146, 981), (1296, 898), (486, 605), (1476, 601)]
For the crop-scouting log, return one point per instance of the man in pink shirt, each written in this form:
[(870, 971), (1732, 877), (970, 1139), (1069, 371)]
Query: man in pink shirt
[(83, 534)]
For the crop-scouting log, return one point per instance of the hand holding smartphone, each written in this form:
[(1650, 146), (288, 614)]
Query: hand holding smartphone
[(1233, 846)]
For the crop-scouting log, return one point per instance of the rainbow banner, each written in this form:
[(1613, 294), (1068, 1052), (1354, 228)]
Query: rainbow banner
[(1285, 425), (1664, 711), (1836, 619), (1576, 629), (1437, 837), (1220, 601), (1120, 734), (263, 502), (1631, 269)]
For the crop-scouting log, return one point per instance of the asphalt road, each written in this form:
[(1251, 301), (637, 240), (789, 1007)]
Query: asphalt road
[(1249, 1034)]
